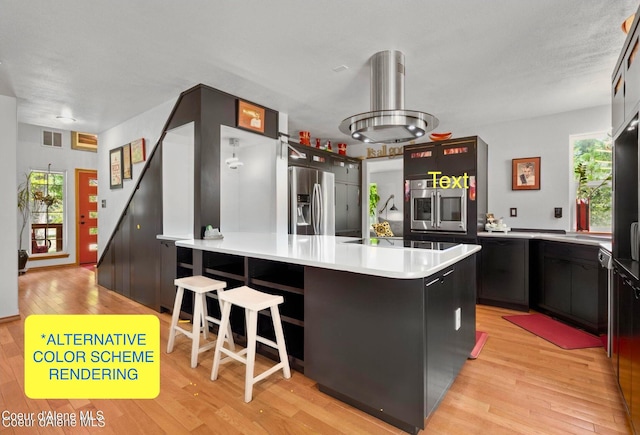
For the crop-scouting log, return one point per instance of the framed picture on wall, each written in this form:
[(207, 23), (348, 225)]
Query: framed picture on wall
[(525, 173), (126, 161), (115, 168), (250, 116), (137, 151)]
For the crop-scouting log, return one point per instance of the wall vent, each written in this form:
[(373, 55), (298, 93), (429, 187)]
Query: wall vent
[(52, 138)]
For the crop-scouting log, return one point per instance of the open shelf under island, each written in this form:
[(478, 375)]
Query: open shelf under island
[(385, 329)]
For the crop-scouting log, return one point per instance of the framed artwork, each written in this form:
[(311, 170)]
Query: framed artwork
[(84, 141), (126, 161), (115, 168), (250, 116), (525, 173), (137, 151)]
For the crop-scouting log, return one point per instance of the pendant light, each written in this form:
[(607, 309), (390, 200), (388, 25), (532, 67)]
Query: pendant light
[(234, 162)]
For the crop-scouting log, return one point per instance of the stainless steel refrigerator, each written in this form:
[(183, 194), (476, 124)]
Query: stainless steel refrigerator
[(311, 202)]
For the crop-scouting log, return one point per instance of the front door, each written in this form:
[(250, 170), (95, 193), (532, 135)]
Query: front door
[(87, 216)]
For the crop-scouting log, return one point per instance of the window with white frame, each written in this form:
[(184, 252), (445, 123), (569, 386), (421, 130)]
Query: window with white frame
[(46, 190), (592, 172)]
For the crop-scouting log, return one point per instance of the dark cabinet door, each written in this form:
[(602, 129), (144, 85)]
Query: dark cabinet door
[(168, 271), (353, 207), (505, 273), (341, 207), (556, 292), (353, 172), (633, 288), (419, 160), (339, 168), (584, 292), (625, 340), (457, 158), (440, 336)]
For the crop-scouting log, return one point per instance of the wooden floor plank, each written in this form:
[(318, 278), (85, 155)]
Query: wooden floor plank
[(519, 383)]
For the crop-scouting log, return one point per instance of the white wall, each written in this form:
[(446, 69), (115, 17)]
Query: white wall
[(546, 137), (8, 213), (147, 125), (248, 200), (31, 155), (178, 181)]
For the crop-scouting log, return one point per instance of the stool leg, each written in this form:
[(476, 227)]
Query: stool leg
[(282, 348), (195, 334), (252, 326), (174, 319), (229, 335), (205, 324), (224, 323)]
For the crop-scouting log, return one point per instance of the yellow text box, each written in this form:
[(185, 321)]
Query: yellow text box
[(92, 356)]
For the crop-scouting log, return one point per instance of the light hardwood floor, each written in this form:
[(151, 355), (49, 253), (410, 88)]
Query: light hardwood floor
[(519, 384)]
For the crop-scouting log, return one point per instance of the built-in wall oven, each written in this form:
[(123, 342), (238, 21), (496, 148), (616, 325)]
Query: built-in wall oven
[(436, 208)]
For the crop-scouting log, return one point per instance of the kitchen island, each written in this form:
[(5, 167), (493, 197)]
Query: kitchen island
[(385, 329)]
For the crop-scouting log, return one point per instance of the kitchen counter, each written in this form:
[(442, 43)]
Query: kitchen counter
[(581, 239), (336, 253), (342, 300)]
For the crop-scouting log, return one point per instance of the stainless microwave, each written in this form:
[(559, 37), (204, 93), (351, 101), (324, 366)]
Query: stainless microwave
[(437, 209)]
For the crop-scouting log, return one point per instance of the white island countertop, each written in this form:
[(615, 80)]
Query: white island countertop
[(336, 253)]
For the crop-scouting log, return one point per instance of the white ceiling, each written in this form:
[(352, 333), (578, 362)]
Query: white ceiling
[(468, 62)]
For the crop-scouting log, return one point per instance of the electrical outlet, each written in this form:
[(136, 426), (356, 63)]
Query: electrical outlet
[(513, 212), (458, 318), (557, 212)]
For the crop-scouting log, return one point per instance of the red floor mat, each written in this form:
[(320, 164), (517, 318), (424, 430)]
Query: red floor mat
[(555, 332)]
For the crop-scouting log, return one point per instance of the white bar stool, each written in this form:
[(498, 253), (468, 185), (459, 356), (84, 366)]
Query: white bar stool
[(200, 286), (252, 301)]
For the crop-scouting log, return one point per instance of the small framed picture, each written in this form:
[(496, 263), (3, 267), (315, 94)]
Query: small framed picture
[(250, 116), (126, 161), (525, 173), (115, 168), (137, 151)]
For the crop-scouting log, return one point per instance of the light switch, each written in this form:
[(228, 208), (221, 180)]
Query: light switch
[(557, 212), (513, 212), (458, 318)]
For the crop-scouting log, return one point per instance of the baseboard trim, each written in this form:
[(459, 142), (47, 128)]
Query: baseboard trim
[(9, 318)]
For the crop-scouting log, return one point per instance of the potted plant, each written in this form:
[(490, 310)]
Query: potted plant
[(374, 198), (25, 209), (585, 193)]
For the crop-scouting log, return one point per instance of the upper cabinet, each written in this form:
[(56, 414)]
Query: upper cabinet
[(625, 83)]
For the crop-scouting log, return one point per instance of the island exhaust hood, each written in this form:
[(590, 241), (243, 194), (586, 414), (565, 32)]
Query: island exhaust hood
[(388, 121)]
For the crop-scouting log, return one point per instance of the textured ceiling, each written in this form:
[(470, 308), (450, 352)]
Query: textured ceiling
[(468, 62)]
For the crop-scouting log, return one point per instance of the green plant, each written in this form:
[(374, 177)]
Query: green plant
[(23, 206), (374, 198), (584, 174)]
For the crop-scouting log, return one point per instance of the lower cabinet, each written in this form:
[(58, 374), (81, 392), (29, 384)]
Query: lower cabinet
[(168, 273), (626, 340), (573, 285), (504, 276)]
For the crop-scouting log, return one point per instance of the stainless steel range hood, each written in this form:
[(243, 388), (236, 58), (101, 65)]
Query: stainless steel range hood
[(388, 121)]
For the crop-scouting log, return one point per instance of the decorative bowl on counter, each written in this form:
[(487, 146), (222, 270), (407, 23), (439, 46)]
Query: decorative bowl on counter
[(440, 136)]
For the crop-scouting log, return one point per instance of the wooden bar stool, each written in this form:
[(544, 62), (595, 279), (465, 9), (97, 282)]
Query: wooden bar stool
[(200, 286), (252, 301)]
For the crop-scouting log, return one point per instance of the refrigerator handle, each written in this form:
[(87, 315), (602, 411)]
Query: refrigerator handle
[(433, 209), (438, 219), (320, 208), (313, 208)]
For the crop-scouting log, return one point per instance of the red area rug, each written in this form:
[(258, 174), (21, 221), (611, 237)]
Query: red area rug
[(481, 339), (555, 332)]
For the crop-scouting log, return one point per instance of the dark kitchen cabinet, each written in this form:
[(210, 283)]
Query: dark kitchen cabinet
[(504, 275), (573, 286), (625, 85), (626, 338), (168, 274), (347, 209)]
